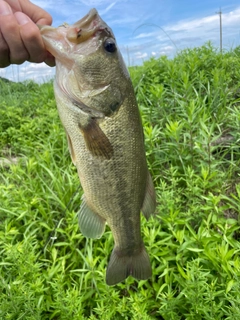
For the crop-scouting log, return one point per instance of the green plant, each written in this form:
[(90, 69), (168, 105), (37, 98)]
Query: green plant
[(191, 120)]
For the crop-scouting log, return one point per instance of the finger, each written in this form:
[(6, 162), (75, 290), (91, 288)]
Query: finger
[(10, 31), (50, 60), (4, 50), (10, 37), (37, 14), (31, 38), (15, 5), (4, 53)]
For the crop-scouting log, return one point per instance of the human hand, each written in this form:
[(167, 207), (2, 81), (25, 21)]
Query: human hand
[(20, 38)]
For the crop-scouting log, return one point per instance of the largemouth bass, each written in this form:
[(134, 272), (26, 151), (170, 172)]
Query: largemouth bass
[(98, 109)]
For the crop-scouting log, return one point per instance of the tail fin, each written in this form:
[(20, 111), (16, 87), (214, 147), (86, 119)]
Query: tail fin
[(120, 267)]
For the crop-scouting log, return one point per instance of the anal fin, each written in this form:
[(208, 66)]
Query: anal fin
[(149, 203), (90, 223)]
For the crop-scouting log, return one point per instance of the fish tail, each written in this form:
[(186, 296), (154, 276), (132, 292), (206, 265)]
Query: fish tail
[(121, 266)]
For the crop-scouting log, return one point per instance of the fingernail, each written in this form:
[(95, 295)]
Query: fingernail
[(22, 18), (5, 9)]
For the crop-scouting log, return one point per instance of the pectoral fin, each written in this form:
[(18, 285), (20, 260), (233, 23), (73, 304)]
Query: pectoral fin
[(90, 223), (149, 203), (96, 140)]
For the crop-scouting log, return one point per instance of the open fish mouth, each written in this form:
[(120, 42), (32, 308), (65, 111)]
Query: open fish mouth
[(81, 30), (85, 28)]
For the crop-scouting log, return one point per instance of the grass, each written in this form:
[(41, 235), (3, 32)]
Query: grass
[(190, 110)]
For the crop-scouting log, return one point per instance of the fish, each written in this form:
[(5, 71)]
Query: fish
[(99, 112)]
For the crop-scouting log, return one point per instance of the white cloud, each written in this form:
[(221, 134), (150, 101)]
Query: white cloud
[(101, 13), (169, 39), (145, 35), (46, 4), (231, 18), (193, 24), (28, 71), (206, 23), (167, 50), (92, 3), (135, 39), (140, 55)]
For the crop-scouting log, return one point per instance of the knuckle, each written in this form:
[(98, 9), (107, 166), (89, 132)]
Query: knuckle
[(4, 64), (45, 18), (4, 54), (49, 18), (4, 50), (10, 27), (19, 57), (36, 59), (30, 33)]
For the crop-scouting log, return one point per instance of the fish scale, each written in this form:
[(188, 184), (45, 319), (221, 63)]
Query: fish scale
[(98, 109)]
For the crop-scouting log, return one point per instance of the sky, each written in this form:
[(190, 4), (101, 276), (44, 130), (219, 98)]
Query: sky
[(144, 28)]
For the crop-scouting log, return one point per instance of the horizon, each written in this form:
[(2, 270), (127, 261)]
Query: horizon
[(156, 29)]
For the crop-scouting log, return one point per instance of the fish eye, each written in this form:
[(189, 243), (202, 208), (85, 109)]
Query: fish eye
[(110, 45)]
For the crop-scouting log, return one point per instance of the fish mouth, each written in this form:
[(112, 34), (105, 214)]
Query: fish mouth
[(86, 20), (80, 31), (86, 28)]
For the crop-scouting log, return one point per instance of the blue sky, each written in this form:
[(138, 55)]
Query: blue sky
[(144, 28)]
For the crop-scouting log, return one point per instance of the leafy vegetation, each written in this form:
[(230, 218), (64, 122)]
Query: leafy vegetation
[(190, 110)]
